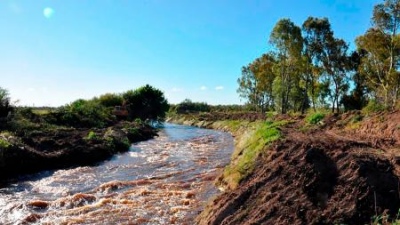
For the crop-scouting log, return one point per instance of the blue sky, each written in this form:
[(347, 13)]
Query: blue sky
[(55, 51)]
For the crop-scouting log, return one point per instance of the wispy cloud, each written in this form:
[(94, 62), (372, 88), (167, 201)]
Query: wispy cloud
[(219, 88), (203, 88), (176, 89)]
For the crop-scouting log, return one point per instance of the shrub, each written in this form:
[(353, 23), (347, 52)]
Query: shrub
[(5, 105), (315, 118), (4, 144), (83, 113), (373, 106), (110, 100), (187, 106), (116, 141), (146, 103), (91, 136)]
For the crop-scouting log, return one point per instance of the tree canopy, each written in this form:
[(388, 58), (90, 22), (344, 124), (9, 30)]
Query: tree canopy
[(145, 103), (309, 66)]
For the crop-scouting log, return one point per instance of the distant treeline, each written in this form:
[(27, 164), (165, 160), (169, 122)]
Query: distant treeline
[(145, 103), (309, 67), (188, 106)]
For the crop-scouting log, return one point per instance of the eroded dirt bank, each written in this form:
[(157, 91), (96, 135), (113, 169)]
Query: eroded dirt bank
[(343, 171), (60, 148)]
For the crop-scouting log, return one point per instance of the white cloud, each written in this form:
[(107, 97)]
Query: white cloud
[(219, 88), (203, 88), (176, 89)]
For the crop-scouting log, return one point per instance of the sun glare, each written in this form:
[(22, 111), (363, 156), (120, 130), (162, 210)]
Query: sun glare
[(48, 12)]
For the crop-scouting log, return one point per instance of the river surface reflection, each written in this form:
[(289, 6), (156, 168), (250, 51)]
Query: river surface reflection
[(166, 180)]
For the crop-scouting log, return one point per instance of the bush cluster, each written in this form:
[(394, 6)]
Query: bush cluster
[(315, 118), (187, 106)]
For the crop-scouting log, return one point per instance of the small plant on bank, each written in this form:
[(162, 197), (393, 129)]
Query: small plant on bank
[(315, 118), (4, 144), (92, 136)]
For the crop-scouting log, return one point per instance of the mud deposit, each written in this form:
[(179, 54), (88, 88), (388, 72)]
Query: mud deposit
[(323, 176), (162, 181)]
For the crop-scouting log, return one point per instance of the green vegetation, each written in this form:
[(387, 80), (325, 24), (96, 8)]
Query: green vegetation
[(4, 144), (115, 140), (91, 136), (111, 100), (84, 113), (309, 67), (315, 118), (5, 105), (146, 103), (187, 106), (250, 146), (373, 107)]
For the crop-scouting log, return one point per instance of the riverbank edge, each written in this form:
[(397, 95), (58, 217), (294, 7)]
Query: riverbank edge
[(60, 148), (247, 142), (375, 132)]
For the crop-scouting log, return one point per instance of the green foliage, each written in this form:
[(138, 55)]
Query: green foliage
[(5, 105), (83, 113), (146, 103), (187, 106), (315, 118), (270, 114), (23, 121), (92, 136), (253, 146), (111, 100), (286, 37), (4, 144), (230, 108), (115, 141), (255, 84), (381, 53), (300, 71), (373, 107), (138, 121)]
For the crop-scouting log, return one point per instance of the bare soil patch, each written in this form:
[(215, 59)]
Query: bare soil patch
[(329, 175)]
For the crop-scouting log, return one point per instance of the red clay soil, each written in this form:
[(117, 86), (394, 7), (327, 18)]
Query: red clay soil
[(323, 176)]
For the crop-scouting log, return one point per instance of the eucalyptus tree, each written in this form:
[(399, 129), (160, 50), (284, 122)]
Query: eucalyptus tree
[(248, 86), (329, 55), (314, 32), (255, 84), (336, 65), (358, 97), (381, 43), (262, 69), (287, 39)]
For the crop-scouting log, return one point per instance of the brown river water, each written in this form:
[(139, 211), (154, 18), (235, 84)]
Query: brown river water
[(166, 180)]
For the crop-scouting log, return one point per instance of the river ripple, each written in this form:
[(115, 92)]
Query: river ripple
[(166, 180)]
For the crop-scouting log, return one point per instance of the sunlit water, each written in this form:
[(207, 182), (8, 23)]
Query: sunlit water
[(166, 180)]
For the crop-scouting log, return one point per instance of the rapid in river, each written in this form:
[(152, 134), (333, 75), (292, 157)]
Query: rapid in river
[(166, 180)]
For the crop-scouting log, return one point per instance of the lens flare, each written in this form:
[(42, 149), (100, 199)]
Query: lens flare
[(48, 12)]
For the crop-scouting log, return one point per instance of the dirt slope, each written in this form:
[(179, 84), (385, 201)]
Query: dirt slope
[(329, 175)]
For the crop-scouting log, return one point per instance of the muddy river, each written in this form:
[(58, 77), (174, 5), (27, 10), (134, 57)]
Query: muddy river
[(166, 180)]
